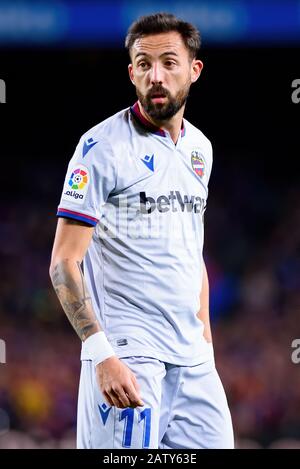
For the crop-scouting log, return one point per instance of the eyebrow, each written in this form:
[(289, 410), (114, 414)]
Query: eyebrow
[(147, 55)]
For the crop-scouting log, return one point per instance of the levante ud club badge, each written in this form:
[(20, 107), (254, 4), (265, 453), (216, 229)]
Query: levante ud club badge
[(197, 163)]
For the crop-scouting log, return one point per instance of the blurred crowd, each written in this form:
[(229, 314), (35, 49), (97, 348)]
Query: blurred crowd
[(252, 256)]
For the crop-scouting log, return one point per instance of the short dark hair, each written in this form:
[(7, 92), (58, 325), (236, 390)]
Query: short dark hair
[(164, 23)]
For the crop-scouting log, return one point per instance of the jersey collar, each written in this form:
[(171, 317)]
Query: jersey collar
[(135, 111)]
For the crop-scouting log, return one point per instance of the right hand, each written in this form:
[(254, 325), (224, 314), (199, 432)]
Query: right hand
[(118, 384)]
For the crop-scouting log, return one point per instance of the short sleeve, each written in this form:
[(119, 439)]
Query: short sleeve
[(91, 177)]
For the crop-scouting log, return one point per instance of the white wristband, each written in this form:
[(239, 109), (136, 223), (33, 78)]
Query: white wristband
[(96, 348)]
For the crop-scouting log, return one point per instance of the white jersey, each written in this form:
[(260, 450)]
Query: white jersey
[(146, 198)]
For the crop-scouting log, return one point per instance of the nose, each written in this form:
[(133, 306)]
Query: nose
[(156, 74)]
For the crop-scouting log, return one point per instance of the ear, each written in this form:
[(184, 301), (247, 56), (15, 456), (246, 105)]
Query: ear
[(130, 71), (196, 68)]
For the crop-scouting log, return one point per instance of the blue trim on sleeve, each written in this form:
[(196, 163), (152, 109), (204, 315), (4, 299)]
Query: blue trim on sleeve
[(77, 216)]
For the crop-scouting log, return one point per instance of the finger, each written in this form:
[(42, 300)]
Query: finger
[(121, 397), (115, 396), (134, 397), (137, 388), (115, 400), (108, 399)]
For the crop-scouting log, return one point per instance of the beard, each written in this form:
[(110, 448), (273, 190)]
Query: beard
[(163, 111)]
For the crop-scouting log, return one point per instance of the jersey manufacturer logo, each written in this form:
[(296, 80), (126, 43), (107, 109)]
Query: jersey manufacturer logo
[(76, 184), (197, 163), (104, 412), (88, 144), (149, 162)]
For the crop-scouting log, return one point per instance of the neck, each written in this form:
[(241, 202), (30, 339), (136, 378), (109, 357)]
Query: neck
[(173, 125)]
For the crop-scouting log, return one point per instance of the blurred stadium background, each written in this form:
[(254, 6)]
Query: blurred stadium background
[(65, 69)]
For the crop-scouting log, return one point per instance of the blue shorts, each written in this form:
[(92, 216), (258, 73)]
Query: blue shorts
[(185, 407)]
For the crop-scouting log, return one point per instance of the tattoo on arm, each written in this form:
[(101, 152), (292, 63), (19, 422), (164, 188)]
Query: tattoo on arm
[(69, 284)]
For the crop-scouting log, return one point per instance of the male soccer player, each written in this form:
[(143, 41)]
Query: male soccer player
[(132, 210)]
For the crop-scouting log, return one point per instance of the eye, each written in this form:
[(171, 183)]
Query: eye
[(170, 63), (143, 65)]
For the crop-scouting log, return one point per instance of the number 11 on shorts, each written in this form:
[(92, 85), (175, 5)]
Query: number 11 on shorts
[(128, 416)]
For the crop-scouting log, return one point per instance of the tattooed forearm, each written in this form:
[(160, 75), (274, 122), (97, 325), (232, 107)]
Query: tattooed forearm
[(69, 284)]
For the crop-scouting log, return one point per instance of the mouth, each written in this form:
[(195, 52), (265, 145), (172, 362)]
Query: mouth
[(158, 97)]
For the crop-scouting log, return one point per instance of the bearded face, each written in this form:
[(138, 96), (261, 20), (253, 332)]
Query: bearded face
[(159, 103)]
